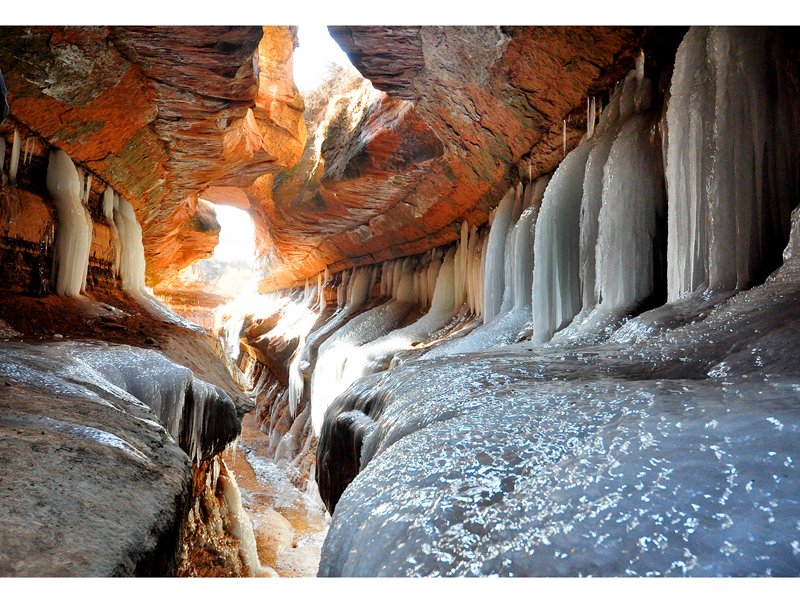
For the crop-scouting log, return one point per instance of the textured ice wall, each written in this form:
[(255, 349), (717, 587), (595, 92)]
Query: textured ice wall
[(732, 156), (74, 232), (356, 287), (556, 271)]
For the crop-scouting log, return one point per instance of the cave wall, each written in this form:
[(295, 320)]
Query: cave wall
[(461, 113), (158, 113)]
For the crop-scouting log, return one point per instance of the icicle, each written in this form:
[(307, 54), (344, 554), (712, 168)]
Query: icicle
[(556, 280), (27, 150), (640, 65), (13, 165), (108, 204), (74, 230), (564, 150), (633, 201), (132, 264), (494, 269), (89, 178), (320, 293)]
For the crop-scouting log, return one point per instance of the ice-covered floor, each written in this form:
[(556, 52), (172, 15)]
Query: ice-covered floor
[(671, 449)]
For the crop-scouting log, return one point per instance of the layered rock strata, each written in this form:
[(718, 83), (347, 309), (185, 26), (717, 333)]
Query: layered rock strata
[(159, 114), (465, 111)]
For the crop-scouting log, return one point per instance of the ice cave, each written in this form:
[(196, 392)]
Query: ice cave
[(400, 301)]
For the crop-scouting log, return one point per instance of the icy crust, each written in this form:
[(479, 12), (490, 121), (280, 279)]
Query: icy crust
[(199, 416), (604, 479), (671, 452)]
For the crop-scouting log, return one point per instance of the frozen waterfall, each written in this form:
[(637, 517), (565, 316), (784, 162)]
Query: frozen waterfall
[(732, 157)]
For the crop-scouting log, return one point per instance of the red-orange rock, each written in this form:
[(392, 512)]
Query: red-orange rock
[(160, 113), (488, 108)]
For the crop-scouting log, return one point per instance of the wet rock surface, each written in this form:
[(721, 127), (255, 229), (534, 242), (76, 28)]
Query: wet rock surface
[(92, 483)]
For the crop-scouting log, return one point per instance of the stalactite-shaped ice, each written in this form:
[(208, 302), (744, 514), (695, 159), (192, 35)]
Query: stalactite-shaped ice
[(74, 231), (87, 187), (132, 264), (633, 204), (494, 266), (515, 311), (593, 190), (13, 164), (108, 214), (556, 277), (732, 152)]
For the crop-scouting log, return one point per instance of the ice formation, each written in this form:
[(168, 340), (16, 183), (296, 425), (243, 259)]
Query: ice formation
[(668, 449), (131, 261), (241, 526), (556, 278), (74, 232), (376, 355), (515, 310), (13, 163), (356, 287), (494, 265), (731, 161), (327, 382), (109, 201)]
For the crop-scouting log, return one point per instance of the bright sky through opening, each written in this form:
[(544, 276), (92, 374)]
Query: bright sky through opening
[(236, 237), (314, 56)]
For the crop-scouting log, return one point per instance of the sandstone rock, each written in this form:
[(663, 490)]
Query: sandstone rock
[(160, 113), (91, 485), (485, 106)]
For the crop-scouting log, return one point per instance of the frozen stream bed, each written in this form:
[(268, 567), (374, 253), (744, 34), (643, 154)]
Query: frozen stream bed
[(289, 526)]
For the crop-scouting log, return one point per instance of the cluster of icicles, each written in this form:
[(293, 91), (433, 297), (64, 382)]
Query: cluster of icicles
[(622, 221), (70, 192), (69, 186), (13, 163)]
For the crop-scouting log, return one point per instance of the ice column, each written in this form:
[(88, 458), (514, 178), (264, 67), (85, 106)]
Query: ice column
[(74, 233), (556, 278), (494, 266), (732, 156), (132, 263)]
